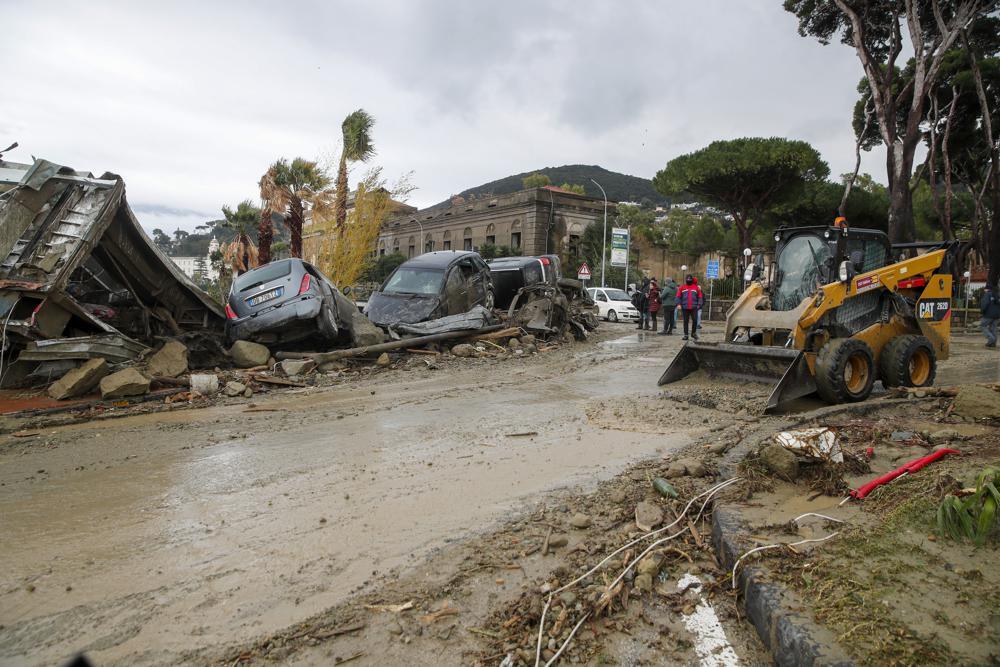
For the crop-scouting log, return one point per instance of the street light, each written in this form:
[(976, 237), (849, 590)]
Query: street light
[(604, 239), (423, 242)]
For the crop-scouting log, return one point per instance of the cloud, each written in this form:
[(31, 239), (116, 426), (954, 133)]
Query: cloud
[(190, 101)]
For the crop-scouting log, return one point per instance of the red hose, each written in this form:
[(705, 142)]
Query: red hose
[(912, 466)]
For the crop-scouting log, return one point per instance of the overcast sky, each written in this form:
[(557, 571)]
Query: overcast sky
[(190, 102)]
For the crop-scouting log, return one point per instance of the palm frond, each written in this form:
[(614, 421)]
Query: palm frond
[(357, 132)]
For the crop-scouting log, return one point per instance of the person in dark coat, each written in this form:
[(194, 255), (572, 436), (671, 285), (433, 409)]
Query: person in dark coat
[(690, 298), (641, 302), (668, 299), (989, 306), (654, 302)]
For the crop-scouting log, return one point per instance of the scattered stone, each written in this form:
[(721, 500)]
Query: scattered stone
[(780, 461), (363, 332), (568, 598), (169, 361), (528, 339), (128, 382), (977, 402), (206, 384), (694, 467), (651, 564), (383, 360), (644, 582), (247, 355), (330, 366), (292, 367), (463, 350), (79, 380), (580, 521), (514, 344), (529, 348), (945, 434), (234, 389), (618, 496), (676, 469), (248, 393), (718, 448), (648, 516), (557, 541), (901, 436)]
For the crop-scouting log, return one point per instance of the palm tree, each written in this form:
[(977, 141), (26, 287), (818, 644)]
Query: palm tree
[(358, 147), (265, 228), (241, 254), (296, 185)]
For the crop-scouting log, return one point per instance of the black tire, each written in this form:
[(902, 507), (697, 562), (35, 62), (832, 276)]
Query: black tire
[(490, 300), (908, 361), (612, 316), (326, 321), (845, 371)]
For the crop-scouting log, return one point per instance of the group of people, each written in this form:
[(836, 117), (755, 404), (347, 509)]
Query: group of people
[(649, 299)]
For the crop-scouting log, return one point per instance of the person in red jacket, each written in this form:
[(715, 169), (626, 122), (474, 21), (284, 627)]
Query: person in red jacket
[(690, 298), (654, 302)]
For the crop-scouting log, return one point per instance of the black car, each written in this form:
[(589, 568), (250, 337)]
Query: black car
[(512, 273), (285, 301), (433, 285)]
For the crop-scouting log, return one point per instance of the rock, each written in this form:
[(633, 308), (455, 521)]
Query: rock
[(233, 389), (557, 541), (363, 332), (580, 521), (944, 435), (169, 361), (128, 382), (247, 355), (651, 564), (330, 366), (79, 380), (648, 516), (694, 467), (977, 402), (780, 461), (529, 348), (568, 598), (205, 384), (676, 469), (901, 436), (248, 393), (463, 350), (718, 448), (644, 582), (292, 367), (514, 344), (618, 496), (383, 360), (528, 339)]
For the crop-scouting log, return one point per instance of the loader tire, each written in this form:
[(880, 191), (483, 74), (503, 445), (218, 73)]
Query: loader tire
[(908, 361), (845, 371)]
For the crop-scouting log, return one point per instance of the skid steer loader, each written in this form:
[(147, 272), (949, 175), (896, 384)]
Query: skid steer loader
[(835, 313)]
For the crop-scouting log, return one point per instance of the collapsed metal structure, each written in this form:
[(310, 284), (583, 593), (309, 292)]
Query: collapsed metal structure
[(77, 264)]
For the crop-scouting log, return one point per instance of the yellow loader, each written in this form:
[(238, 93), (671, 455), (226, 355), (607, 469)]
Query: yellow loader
[(835, 314)]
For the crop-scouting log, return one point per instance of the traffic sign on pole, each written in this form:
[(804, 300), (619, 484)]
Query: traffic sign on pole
[(584, 272)]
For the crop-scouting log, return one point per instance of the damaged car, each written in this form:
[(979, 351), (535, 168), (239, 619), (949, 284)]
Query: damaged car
[(286, 301), (432, 286), (512, 273)]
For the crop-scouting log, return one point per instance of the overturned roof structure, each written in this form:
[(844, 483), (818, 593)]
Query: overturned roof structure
[(74, 262)]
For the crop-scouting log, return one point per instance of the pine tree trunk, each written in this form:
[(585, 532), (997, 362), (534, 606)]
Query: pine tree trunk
[(900, 167), (295, 227), (340, 203), (265, 235)]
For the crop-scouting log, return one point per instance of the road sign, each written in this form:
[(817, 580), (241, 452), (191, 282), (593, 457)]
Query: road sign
[(619, 246), (713, 269), (584, 272)]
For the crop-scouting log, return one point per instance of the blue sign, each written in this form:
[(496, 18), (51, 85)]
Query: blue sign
[(713, 269)]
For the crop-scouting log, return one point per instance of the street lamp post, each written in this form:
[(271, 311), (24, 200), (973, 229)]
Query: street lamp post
[(604, 239), (423, 242)]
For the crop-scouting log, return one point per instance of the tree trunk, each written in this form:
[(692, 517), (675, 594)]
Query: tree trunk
[(946, 220), (340, 202), (265, 235), (295, 227), (842, 209), (900, 167)]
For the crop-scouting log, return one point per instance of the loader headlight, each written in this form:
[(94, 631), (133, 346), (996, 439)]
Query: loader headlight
[(748, 274), (826, 234), (845, 271), (777, 237)]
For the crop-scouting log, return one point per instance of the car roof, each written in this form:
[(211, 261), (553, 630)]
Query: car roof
[(513, 261), (439, 259)]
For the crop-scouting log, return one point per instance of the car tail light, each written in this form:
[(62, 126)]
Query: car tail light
[(545, 261), (230, 313), (306, 281)]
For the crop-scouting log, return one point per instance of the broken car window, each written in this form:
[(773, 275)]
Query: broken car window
[(415, 281), (264, 274)]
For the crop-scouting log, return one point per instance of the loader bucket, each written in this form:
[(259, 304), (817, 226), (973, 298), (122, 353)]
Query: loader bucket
[(747, 363)]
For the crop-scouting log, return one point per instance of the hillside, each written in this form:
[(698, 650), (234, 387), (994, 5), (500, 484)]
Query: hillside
[(620, 187)]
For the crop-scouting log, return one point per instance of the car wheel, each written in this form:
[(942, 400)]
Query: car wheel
[(327, 322), (612, 316), (489, 301)]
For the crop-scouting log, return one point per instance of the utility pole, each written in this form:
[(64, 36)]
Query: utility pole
[(604, 239)]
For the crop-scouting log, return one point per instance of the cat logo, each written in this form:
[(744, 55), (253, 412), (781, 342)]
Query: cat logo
[(934, 309)]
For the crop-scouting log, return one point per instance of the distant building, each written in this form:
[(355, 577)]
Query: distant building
[(536, 221), (198, 268)]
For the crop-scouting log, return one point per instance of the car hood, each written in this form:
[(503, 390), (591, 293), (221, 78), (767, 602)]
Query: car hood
[(620, 304), (386, 309)]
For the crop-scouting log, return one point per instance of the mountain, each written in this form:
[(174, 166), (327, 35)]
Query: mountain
[(620, 187)]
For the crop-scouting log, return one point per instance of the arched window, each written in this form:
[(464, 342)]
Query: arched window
[(411, 248), (575, 233), (381, 248), (491, 234), (447, 240), (467, 239), (395, 246), (428, 243), (515, 234)]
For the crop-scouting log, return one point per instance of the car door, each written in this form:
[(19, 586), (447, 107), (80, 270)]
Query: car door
[(456, 291), (474, 284), (602, 302)]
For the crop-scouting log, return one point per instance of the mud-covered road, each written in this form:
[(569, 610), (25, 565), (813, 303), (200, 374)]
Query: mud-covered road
[(148, 539)]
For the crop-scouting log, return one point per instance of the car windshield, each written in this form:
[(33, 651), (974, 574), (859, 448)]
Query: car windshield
[(415, 281), (802, 267), (616, 295), (262, 275)]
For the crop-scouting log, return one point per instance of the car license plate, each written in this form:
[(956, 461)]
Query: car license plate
[(264, 296)]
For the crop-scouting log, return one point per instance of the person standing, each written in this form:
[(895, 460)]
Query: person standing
[(690, 298), (989, 306), (654, 302), (668, 299), (641, 302)]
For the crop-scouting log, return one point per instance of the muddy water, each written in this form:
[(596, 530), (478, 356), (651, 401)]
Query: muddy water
[(139, 539)]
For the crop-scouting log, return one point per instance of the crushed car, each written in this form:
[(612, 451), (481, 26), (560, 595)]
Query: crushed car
[(512, 273), (431, 286)]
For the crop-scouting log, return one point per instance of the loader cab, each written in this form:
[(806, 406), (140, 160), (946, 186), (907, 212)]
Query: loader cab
[(808, 257)]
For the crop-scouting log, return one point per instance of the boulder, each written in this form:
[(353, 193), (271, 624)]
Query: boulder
[(580, 521), (169, 361), (944, 435), (977, 402), (780, 461), (514, 344), (292, 367), (648, 516), (463, 350), (247, 355), (128, 382), (80, 380), (529, 348), (205, 384), (330, 366), (644, 582), (363, 332), (233, 389), (651, 564), (383, 360), (527, 339)]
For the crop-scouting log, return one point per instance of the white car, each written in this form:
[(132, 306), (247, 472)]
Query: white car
[(613, 304)]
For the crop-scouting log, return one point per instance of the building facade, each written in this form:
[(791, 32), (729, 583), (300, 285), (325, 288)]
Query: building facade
[(197, 268), (537, 221)]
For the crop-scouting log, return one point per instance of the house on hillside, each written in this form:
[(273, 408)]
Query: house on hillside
[(198, 268)]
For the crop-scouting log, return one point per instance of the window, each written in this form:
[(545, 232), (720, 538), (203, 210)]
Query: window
[(409, 252), (574, 245), (532, 274), (395, 246), (447, 245), (492, 240), (415, 281), (515, 240), (599, 296), (429, 244), (467, 244)]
